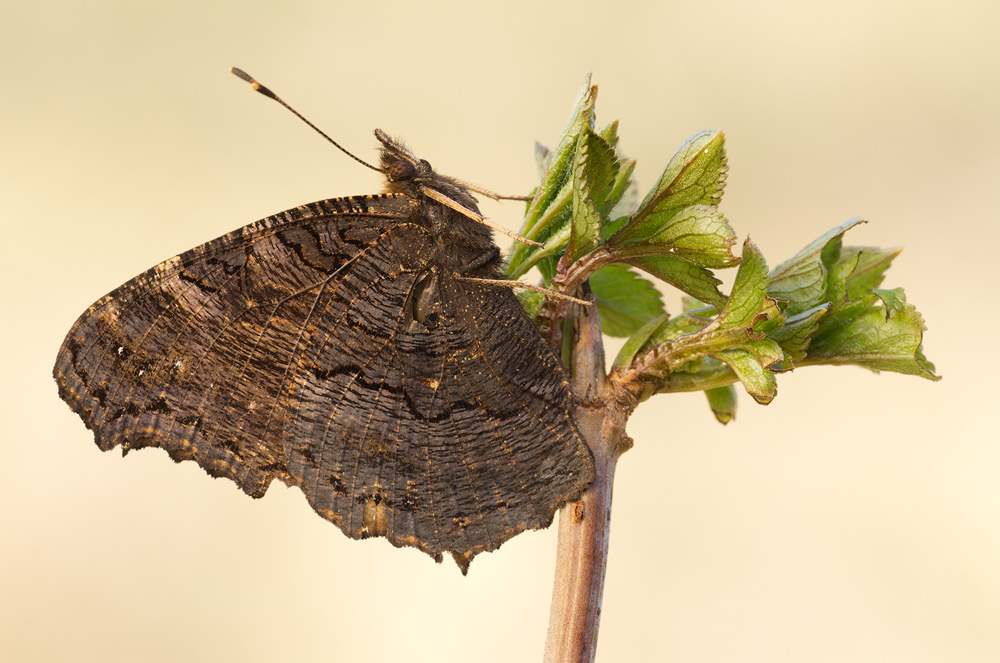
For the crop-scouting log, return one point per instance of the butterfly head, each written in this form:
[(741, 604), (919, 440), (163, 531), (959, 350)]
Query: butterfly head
[(406, 173)]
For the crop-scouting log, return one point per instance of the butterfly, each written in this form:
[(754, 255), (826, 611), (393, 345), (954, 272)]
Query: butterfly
[(364, 349)]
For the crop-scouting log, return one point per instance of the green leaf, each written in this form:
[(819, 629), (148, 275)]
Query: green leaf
[(618, 205), (750, 309), (531, 301), (838, 277), (598, 168), (696, 175), (870, 270), (759, 382), (699, 234), (612, 226), (679, 252), (711, 375), (625, 301), (893, 300), (637, 341), (519, 260), (594, 172), (696, 281), (738, 337), (622, 183), (802, 279), (610, 134), (560, 162), (598, 181), (550, 209), (749, 289), (678, 223), (796, 334), (585, 228), (626, 195), (722, 400), (877, 330), (875, 333)]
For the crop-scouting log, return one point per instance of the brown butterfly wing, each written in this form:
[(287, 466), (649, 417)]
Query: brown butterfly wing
[(289, 350)]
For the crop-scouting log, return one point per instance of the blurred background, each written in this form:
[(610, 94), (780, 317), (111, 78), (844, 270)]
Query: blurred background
[(855, 518)]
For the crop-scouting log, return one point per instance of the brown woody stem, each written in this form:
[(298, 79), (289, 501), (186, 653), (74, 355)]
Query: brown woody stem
[(584, 525)]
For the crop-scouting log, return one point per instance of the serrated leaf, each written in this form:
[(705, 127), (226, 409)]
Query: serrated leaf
[(555, 189), (598, 170), (610, 134), (624, 192), (699, 234), (560, 162), (796, 334), (838, 274), (738, 337), (594, 171), (759, 382), (611, 226), (878, 330), (625, 301), (585, 226), (750, 311), (585, 230), (894, 300), (870, 270), (696, 175), (696, 281), (749, 289), (802, 279), (865, 334), (722, 401)]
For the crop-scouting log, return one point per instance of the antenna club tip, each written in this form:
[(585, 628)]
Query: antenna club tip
[(239, 73)]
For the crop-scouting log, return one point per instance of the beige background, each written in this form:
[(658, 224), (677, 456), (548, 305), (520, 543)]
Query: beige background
[(857, 518)]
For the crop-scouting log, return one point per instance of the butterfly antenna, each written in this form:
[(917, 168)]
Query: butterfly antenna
[(239, 73)]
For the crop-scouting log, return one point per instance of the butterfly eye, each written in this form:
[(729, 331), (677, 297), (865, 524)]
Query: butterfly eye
[(401, 170)]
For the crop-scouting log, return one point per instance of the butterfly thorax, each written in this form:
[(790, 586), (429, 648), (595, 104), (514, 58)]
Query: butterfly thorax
[(462, 244)]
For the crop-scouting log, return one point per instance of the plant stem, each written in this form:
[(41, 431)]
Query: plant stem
[(584, 525)]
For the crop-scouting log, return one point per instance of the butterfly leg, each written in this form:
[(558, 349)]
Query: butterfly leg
[(481, 260)]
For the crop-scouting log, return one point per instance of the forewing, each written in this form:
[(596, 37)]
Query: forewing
[(195, 354)]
